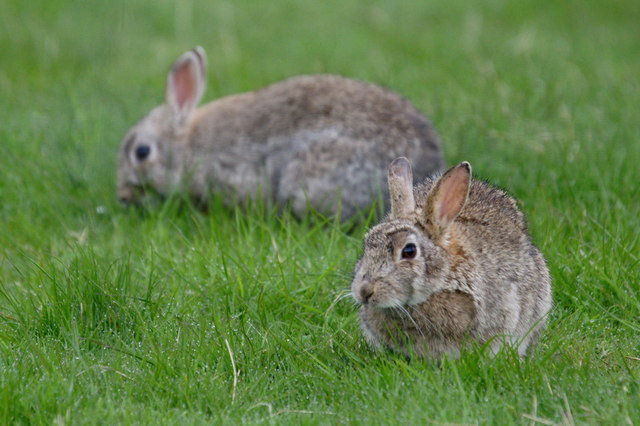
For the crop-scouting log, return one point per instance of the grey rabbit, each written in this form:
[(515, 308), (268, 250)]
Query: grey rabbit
[(452, 264), (318, 140)]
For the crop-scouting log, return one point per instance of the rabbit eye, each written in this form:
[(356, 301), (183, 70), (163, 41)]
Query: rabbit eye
[(142, 152), (409, 251)]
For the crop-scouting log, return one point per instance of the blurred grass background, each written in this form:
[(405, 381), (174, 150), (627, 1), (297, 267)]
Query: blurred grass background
[(110, 315)]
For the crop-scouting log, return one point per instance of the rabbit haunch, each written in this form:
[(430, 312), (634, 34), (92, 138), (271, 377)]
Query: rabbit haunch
[(319, 140), (452, 264)]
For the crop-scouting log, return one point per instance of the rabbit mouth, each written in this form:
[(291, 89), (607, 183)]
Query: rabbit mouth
[(138, 195), (141, 197), (385, 303), (130, 194), (380, 294)]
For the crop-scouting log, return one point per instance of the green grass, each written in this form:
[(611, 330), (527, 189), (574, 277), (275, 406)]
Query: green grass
[(109, 315)]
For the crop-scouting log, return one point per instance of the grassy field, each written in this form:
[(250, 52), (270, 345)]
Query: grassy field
[(109, 315)]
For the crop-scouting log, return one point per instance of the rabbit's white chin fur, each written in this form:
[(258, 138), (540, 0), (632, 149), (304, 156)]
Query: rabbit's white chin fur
[(388, 304)]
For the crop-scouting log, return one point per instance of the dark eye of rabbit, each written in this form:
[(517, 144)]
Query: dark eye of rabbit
[(142, 152), (409, 251)]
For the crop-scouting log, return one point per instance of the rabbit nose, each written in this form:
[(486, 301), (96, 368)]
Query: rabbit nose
[(366, 291), (125, 195)]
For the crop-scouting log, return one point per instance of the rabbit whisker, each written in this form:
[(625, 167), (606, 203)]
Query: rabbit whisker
[(344, 294), (402, 309), (423, 318)]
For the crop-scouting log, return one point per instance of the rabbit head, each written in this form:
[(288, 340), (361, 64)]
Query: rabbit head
[(151, 153), (406, 257)]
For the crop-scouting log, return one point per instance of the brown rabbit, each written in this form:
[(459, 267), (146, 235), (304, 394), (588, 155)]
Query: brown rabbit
[(318, 140), (452, 264)]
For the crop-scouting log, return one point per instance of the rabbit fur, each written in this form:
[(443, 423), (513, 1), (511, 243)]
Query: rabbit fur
[(318, 140), (451, 265)]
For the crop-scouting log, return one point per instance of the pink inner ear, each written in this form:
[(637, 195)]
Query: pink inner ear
[(453, 194), (184, 84)]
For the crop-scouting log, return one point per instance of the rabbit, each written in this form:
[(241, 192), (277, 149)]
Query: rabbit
[(451, 266), (318, 140)]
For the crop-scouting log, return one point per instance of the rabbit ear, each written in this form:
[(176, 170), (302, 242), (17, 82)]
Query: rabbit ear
[(400, 180), (446, 199), (186, 82)]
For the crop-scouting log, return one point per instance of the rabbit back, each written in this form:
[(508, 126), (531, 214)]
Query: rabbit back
[(506, 272), (319, 140)]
